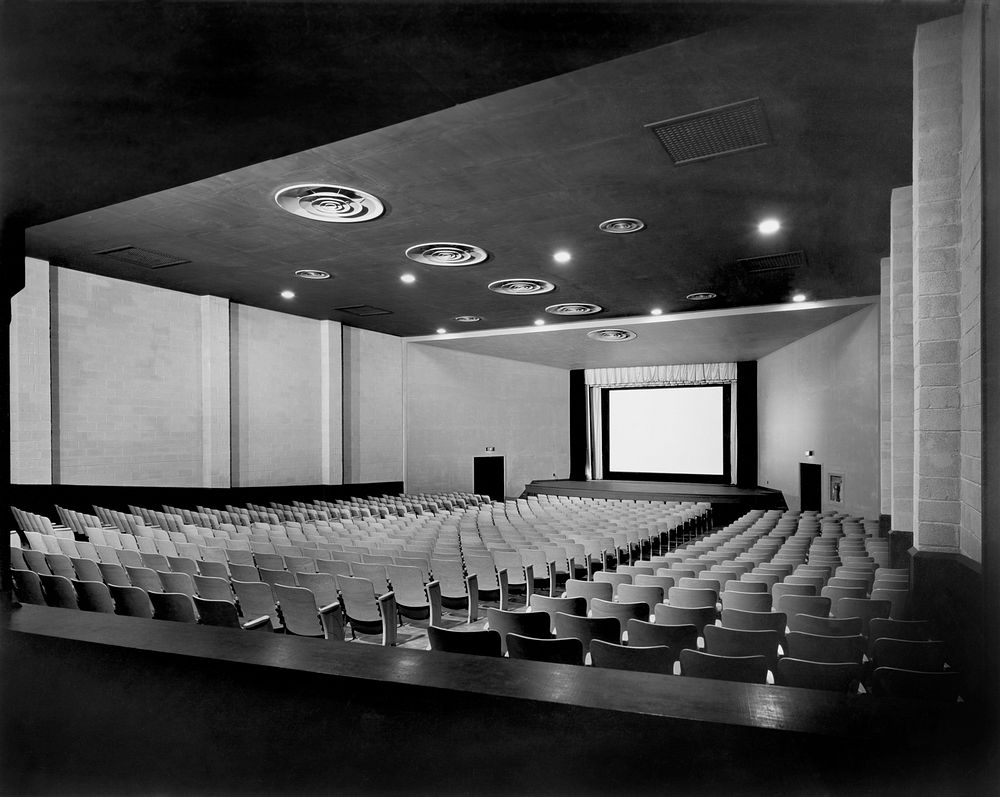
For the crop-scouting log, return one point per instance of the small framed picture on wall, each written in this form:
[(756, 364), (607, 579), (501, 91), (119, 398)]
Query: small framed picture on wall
[(836, 495)]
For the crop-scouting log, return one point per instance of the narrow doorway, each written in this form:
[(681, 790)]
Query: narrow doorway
[(810, 486), (488, 477)]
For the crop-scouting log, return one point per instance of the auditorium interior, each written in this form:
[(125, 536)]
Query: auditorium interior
[(570, 360)]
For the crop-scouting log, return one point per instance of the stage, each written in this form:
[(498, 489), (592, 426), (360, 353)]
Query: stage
[(728, 501)]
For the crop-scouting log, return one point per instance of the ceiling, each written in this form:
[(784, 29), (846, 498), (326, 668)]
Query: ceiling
[(516, 127)]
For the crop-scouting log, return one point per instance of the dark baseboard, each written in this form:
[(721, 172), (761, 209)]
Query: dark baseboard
[(42, 499)]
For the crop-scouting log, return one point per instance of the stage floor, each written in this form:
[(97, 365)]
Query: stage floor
[(751, 497)]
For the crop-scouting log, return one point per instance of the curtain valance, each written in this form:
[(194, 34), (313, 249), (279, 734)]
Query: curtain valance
[(653, 375)]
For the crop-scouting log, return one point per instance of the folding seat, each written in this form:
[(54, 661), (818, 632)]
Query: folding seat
[(746, 601), (865, 608), (608, 629), (94, 596), (543, 569), (682, 597), (210, 588), (836, 593), (533, 624), (28, 587), (374, 573), (674, 637), (755, 621), (747, 586), (256, 600), (831, 649), (663, 582), (272, 577), (58, 591), (35, 561), (243, 573), (767, 579), (916, 685), (17, 557), (588, 590), (818, 582), (300, 564), (802, 674), (746, 669), (183, 564), (802, 604), (367, 612), (144, 579), (632, 593), (899, 598), (825, 626), (223, 614), (458, 590), (303, 617), (114, 575), (615, 579), (622, 611), (175, 606), (914, 630), (679, 615), (478, 643), (544, 603), (723, 641), (155, 561), (68, 547), (60, 565), (177, 583), (553, 651), (492, 581), (333, 567), (131, 601), (903, 654)]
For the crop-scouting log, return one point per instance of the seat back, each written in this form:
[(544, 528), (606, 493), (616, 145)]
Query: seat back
[(485, 569), (178, 582), (680, 615), (376, 574), (755, 621), (478, 643), (553, 651), (657, 659), (675, 637), (589, 590), (663, 582), (256, 600), (299, 610), (865, 608), (183, 564), (273, 577), (131, 601), (915, 630), (608, 629), (60, 565), (87, 570), (219, 613), (791, 605), (641, 593), (155, 561), (144, 578), (638, 610), (407, 584), (213, 589), (724, 641), (114, 575), (614, 579), (831, 649), (532, 624), (691, 598), (746, 601), (825, 626), (746, 586), (781, 589), (829, 677), (359, 599), (94, 596), (175, 606), (243, 572), (58, 591), (745, 669), (904, 654), (322, 585)]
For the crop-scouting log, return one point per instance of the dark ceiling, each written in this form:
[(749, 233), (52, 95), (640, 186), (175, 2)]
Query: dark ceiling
[(169, 126)]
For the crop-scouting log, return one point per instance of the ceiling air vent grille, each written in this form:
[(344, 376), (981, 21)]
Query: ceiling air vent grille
[(772, 264), (725, 130), (362, 310), (146, 258)]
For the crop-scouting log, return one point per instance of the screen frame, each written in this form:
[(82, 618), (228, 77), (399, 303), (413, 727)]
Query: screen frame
[(706, 478)]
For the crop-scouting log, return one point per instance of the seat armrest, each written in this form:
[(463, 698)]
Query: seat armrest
[(434, 601), (472, 587), (529, 580), (387, 606), (332, 618), (258, 624), (552, 579), (504, 589)]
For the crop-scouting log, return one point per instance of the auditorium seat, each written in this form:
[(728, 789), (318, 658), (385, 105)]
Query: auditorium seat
[(723, 641), (791, 605), (60, 565), (830, 649), (492, 582), (415, 599), (183, 564), (608, 629), (753, 587), (589, 590), (614, 579), (520, 576), (86, 569), (256, 599), (367, 612), (623, 611), (636, 593), (755, 621), (94, 596), (675, 637), (223, 614), (114, 575), (830, 677), (273, 577), (534, 624), (745, 669), (58, 591), (303, 617), (746, 601), (656, 659), (543, 603), (177, 582), (458, 590), (478, 643), (825, 626), (211, 588), (131, 601), (915, 630), (552, 651), (243, 573), (177, 607), (898, 598), (682, 597), (678, 615), (663, 582), (144, 578), (865, 608)]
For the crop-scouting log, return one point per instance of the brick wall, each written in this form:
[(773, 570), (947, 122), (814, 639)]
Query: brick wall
[(30, 405)]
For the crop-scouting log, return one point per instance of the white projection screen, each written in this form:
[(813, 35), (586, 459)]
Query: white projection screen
[(668, 432)]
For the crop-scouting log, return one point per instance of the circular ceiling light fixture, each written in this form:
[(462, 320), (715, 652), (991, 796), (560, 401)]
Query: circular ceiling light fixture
[(467, 319), (287, 295), (562, 256), (521, 286), (573, 308), (701, 296), (312, 274), (331, 203), (611, 335), (621, 226), (769, 226), (446, 254)]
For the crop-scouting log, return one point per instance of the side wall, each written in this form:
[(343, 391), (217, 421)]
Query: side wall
[(820, 393), (458, 404)]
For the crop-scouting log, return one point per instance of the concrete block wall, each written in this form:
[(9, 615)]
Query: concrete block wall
[(30, 403), (373, 407), (969, 306), (126, 383), (458, 404), (279, 403), (901, 356)]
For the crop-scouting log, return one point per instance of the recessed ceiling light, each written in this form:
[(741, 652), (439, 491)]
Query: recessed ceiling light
[(621, 226), (287, 295), (656, 311), (521, 286), (441, 330), (769, 226), (446, 254), (333, 203), (468, 319), (408, 278), (701, 296), (539, 322), (799, 297), (312, 274), (562, 256)]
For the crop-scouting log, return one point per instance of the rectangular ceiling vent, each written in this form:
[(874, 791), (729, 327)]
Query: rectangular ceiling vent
[(772, 264), (362, 310), (725, 130), (146, 258)]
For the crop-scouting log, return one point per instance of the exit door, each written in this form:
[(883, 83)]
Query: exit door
[(810, 486), (488, 477)]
